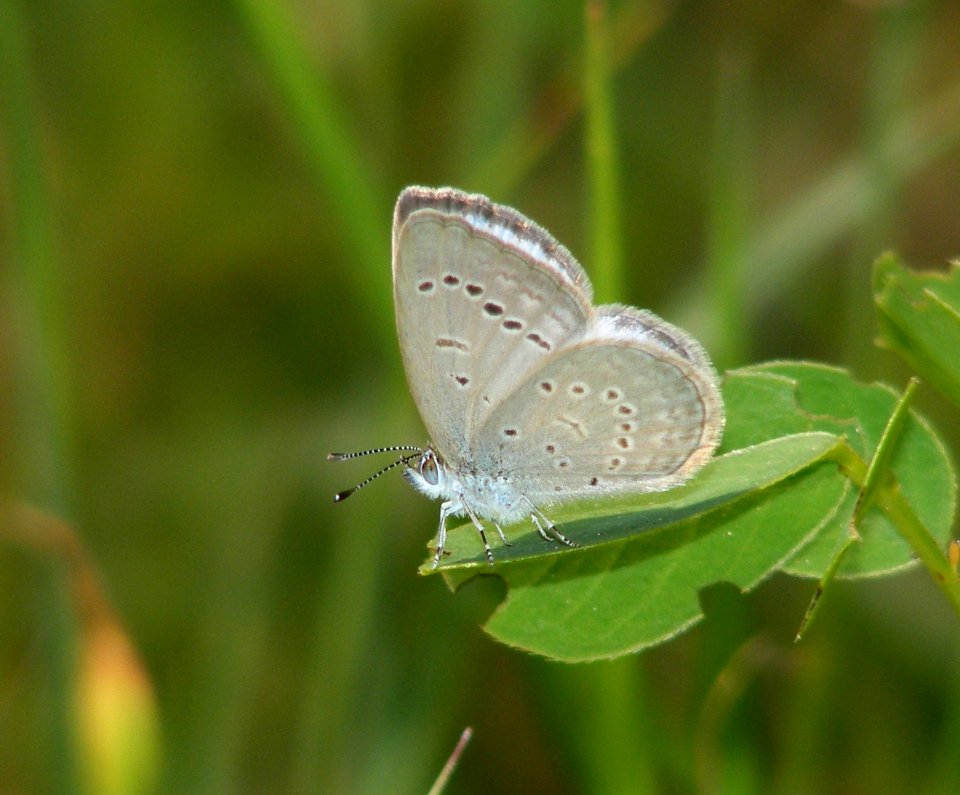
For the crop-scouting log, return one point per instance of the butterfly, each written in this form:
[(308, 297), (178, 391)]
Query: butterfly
[(531, 395)]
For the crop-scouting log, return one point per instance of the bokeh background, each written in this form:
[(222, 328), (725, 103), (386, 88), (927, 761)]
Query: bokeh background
[(195, 308)]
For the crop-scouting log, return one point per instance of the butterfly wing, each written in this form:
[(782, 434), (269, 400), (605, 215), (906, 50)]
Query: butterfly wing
[(483, 298), (633, 406)]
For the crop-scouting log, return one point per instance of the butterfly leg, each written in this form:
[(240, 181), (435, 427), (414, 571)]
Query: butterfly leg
[(479, 525), (446, 508), (503, 538), (540, 530), (548, 530)]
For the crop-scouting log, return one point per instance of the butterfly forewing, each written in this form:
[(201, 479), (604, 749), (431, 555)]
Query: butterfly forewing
[(483, 298)]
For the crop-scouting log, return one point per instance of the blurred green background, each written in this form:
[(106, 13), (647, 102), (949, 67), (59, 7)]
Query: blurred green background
[(195, 308)]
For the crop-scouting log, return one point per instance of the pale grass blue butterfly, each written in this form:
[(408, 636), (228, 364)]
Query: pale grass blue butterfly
[(532, 396)]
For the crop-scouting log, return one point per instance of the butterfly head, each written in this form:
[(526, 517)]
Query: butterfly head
[(429, 474)]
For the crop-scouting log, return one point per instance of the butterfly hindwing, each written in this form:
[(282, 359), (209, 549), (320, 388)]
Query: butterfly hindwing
[(632, 407)]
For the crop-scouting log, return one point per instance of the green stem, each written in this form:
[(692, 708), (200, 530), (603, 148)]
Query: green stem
[(606, 260), (891, 501), (451, 764), (879, 472)]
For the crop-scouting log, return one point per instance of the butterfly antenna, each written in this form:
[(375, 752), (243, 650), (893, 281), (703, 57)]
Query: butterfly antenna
[(342, 495), (393, 449)]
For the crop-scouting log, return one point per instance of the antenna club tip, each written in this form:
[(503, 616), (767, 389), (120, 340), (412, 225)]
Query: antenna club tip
[(404, 460)]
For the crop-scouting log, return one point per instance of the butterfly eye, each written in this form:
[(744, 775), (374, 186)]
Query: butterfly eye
[(428, 468)]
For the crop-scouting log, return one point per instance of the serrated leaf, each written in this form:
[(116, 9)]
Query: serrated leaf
[(919, 316)]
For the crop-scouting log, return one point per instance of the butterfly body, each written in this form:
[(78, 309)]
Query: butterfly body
[(488, 496)]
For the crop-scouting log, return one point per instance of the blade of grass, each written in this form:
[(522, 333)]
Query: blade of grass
[(341, 641), (44, 403), (610, 695), (44, 398), (730, 197), (522, 146), (602, 161), (359, 203), (806, 229), (601, 716), (363, 216), (844, 196), (715, 772), (898, 31)]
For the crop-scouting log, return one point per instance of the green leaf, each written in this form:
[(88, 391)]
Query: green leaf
[(920, 320), (800, 396), (774, 499), (618, 598), (591, 523)]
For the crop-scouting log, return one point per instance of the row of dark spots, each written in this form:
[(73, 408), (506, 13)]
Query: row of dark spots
[(451, 280), (511, 324), (622, 441), (490, 307), (577, 389), (625, 409), (564, 463)]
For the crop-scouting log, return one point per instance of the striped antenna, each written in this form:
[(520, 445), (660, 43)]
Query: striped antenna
[(392, 449), (342, 495)]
